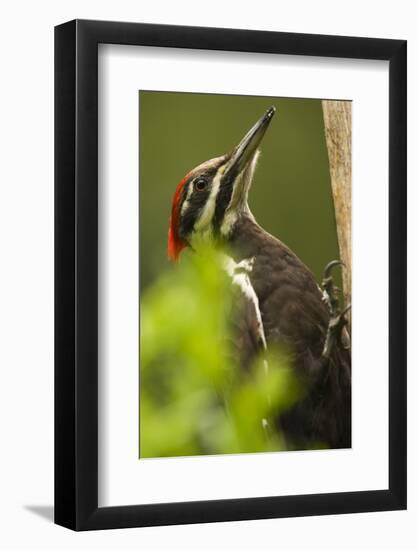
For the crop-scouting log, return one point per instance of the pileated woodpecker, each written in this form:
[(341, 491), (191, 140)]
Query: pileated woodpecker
[(283, 304)]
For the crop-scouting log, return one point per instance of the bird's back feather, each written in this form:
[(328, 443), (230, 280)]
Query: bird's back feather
[(294, 314)]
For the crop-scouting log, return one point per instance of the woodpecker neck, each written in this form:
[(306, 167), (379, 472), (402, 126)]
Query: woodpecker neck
[(247, 238), (238, 206)]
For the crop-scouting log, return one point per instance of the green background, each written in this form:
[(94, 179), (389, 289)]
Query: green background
[(290, 196)]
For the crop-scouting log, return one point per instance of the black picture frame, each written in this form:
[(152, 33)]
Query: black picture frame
[(76, 272)]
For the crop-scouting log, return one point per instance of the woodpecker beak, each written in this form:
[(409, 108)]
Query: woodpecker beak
[(247, 148)]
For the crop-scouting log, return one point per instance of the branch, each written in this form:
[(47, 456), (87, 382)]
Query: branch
[(337, 125)]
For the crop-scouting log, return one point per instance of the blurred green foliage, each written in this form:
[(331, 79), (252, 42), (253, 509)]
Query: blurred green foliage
[(194, 397)]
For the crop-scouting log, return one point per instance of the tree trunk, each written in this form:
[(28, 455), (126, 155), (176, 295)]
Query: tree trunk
[(337, 124)]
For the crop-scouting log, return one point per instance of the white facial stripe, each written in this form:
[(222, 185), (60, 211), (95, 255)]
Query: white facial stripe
[(186, 202), (228, 222), (208, 211), (204, 167)]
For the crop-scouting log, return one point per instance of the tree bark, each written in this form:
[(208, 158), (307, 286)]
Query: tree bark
[(338, 130)]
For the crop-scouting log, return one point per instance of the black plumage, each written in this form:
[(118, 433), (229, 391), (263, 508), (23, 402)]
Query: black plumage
[(295, 315)]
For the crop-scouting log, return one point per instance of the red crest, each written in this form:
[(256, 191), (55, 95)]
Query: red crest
[(175, 243)]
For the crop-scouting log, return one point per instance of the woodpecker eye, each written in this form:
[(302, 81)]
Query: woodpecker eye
[(200, 184)]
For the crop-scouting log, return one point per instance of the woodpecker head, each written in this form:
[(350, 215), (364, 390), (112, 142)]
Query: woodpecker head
[(209, 199)]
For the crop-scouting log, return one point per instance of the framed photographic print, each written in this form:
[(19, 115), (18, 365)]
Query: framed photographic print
[(230, 275)]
